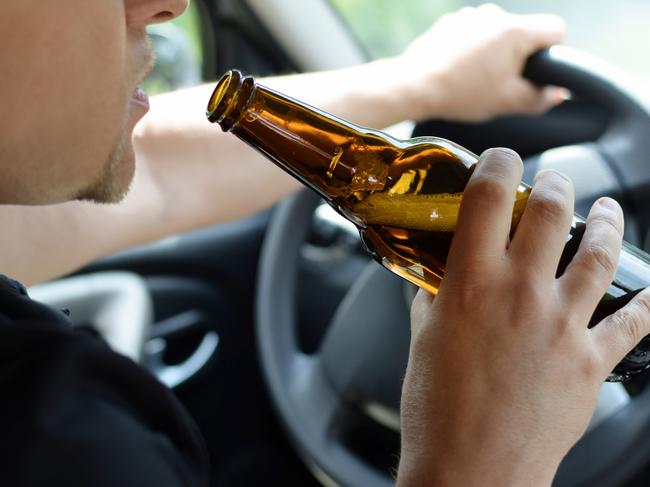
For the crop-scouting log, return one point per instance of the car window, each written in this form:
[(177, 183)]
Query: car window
[(179, 53), (615, 31), (385, 27)]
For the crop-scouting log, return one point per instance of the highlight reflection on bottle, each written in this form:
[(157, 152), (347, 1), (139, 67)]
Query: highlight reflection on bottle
[(404, 196)]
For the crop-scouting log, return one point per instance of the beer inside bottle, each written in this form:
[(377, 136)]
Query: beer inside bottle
[(403, 195)]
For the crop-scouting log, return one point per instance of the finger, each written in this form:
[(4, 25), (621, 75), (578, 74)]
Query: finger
[(591, 271), (619, 333), (545, 224), (485, 216), (541, 30), (526, 97)]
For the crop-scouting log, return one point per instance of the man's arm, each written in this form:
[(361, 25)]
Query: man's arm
[(190, 174)]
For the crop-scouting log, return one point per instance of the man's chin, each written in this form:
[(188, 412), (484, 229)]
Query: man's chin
[(114, 182)]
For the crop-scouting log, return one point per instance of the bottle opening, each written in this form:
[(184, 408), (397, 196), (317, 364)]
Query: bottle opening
[(230, 98), (218, 93), (220, 103)]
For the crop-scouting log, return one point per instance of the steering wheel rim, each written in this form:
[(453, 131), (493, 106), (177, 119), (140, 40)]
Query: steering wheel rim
[(621, 145), (314, 394)]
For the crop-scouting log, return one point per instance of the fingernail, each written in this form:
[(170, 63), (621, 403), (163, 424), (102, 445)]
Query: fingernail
[(500, 153), (609, 204), (551, 173), (564, 94), (557, 94)]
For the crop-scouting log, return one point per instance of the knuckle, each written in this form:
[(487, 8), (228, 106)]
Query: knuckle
[(549, 205), (592, 366), (618, 319), (632, 321), (513, 31), (564, 324), (466, 291), (489, 188), (642, 300), (598, 255), (610, 221), (640, 317), (527, 291)]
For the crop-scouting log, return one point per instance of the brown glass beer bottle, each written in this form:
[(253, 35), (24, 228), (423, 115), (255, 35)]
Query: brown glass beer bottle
[(404, 196)]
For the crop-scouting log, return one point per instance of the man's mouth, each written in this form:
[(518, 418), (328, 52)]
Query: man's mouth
[(139, 104), (140, 97)]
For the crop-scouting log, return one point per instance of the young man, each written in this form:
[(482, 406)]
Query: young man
[(74, 413)]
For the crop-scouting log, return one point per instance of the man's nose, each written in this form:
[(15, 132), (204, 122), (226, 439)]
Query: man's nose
[(146, 12)]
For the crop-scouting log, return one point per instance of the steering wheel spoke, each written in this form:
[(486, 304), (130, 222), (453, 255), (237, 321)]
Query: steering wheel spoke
[(317, 405), (364, 352)]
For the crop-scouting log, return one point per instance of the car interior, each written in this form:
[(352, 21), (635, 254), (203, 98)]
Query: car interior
[(280, 335)]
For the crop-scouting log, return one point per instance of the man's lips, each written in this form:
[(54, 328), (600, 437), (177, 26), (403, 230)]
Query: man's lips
[(139, 97)]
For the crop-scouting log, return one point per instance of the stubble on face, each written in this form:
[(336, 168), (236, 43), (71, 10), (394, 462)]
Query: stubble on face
[(111, 186)]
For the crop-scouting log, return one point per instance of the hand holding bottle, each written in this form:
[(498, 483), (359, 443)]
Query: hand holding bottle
[(468, 65), (504, 373)]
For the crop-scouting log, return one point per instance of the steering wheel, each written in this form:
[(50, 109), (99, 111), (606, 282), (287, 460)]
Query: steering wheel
[(328, 400)]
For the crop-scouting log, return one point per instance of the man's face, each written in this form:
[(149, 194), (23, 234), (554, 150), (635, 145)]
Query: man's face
[(68, 97)]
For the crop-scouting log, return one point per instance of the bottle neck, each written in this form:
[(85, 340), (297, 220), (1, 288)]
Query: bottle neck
[(317, 148)]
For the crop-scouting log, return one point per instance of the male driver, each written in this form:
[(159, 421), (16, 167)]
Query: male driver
[(74, 413)]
